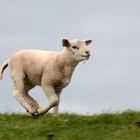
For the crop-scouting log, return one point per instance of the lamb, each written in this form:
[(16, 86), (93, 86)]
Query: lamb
[(50, 70)]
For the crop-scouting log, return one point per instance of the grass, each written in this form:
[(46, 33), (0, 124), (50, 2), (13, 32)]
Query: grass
[(123, 126)]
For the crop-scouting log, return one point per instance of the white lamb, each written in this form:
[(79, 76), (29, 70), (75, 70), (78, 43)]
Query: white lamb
[(51, 70)]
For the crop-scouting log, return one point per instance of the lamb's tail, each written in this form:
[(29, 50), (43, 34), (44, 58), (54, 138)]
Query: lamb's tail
[(3, 67)]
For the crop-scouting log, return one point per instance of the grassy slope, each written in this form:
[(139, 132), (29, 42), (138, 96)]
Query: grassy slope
[(71, 127)]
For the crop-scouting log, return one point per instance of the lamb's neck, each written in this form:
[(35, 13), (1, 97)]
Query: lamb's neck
[(67, 58), (68, 63)]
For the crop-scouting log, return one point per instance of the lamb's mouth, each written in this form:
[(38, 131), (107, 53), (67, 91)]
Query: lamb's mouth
[(86, 56)]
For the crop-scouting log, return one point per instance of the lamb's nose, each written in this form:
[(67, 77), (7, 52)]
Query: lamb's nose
[(87, 52)]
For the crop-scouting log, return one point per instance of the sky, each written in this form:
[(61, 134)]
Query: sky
[(108, 81)]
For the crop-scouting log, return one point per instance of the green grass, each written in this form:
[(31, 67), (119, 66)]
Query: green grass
[(71, 127)]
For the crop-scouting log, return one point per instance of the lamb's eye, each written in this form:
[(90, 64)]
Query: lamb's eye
[(75, 47)]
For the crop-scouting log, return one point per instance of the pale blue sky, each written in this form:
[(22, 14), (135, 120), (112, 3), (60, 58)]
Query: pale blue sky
[(109, 81)]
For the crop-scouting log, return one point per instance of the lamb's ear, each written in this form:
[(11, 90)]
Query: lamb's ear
[(65, 43), (88, 41)]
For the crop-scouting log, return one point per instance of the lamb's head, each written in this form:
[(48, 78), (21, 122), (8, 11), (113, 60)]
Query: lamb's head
[(77, 48)]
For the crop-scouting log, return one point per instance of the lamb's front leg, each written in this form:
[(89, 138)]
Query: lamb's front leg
[(56, 108), (53, 100)]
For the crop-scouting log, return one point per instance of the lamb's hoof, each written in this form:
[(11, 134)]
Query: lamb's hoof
[(36, 113), (33, 113)]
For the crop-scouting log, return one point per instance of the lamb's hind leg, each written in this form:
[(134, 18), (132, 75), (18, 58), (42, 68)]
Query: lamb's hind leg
[(22, 99), (20, 93), (33, 103)]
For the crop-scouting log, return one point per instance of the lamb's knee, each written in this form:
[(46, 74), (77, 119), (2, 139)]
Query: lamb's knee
[(17, 94), (20, 96), (53, 101)]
